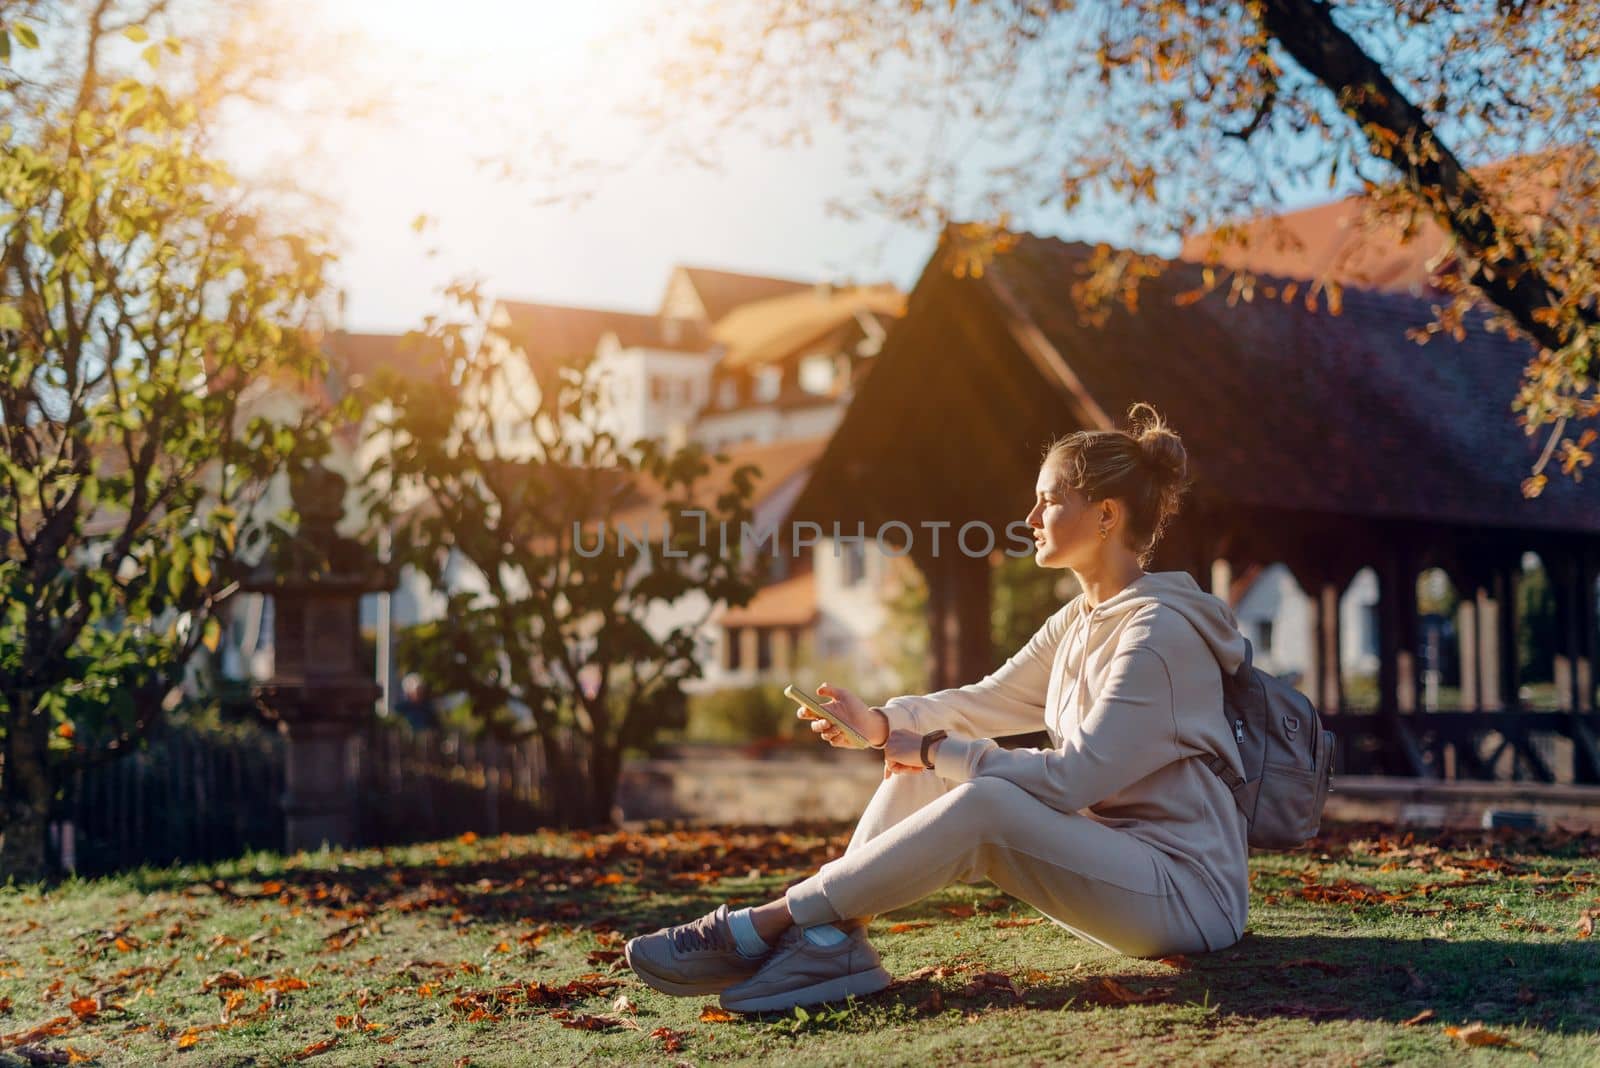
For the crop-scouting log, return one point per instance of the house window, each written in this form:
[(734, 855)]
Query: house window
[(763, 648), (768, 382), (731, 641), (1264, 636), (1369, 636), (853, 557), (658, 389), (728, 394), (816, 374)]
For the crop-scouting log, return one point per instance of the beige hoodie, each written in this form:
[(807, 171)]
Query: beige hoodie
[(1129, 691)]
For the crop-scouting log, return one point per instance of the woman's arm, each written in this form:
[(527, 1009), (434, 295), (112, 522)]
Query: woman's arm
[(1129, 733), (1010, 700)]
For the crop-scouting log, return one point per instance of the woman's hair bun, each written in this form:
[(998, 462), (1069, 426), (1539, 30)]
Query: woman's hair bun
[(1162, 448)]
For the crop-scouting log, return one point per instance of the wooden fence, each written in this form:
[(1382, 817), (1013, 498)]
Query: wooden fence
[(195, 796)]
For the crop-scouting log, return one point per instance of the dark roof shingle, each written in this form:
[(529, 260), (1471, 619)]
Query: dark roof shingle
[(1283, 407)]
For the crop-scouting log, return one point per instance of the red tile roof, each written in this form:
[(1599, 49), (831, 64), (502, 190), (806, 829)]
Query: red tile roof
[(790, 602), (1331, 241), (553, 333)]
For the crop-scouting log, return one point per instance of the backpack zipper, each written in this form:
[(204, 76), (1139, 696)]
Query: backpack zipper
[(1238, 731)]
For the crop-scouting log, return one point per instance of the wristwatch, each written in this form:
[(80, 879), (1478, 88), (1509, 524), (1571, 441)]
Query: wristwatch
[(927, 742)]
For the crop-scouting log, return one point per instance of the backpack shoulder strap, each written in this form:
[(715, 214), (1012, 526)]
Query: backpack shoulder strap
[(1230, 778)]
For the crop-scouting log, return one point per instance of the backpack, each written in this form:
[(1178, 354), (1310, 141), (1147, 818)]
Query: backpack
[(1288, 757)]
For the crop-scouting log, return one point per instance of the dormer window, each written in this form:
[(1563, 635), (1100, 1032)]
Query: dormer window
[(816, 374)]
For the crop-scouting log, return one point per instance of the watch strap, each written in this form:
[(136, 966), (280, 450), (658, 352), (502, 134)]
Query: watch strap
[(927, 741)]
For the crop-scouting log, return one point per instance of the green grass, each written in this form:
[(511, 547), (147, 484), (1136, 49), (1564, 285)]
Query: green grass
[(466, 949)]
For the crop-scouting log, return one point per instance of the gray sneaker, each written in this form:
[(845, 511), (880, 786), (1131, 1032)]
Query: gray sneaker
[(799, 972), (698, 957)]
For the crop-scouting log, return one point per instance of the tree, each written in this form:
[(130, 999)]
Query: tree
[(553, 544), (144, 302), (1193, 114)]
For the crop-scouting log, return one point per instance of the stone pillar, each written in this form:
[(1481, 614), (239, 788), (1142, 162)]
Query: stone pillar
[(320, 693)]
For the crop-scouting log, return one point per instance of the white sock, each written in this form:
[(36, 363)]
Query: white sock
[(745, 938), (824, 934)]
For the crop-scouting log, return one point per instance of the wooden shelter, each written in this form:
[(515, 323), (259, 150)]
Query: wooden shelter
[(1325, 442)]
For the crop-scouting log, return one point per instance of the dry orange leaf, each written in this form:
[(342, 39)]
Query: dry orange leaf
[(187, 1039), (1178, 961), (317, 1047), (960, 912), (1422, 1017), (671, 1041), (468, 838), (902, 928), (711, 1015), (83, 1008), (1478, 1035)]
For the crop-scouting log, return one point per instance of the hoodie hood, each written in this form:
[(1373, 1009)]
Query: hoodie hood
[(1208, 614)]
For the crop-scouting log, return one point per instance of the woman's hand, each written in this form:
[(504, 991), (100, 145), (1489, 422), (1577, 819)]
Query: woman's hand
[(902, 753), (873, 725)]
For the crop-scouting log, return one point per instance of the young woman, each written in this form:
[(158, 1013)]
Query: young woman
[(1116, 832)]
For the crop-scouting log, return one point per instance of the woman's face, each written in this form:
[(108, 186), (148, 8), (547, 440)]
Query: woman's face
[(1065, 525)]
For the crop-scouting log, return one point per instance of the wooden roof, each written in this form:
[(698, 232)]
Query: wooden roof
[(1280, 407)]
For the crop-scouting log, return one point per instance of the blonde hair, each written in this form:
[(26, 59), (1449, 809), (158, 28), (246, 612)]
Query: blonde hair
[(1144, 466)]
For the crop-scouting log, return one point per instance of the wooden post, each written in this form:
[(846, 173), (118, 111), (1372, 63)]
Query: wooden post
[(1467, 644), (1507, 576), (1491, 696), (1585, 744), (940, 668), (1561, 568), (1330, 677), (971, 609)]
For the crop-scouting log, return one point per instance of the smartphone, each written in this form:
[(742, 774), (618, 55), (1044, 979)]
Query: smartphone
[(851, 735)]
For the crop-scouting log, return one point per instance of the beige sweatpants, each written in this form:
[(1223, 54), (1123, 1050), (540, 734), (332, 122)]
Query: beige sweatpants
[(921, 832)]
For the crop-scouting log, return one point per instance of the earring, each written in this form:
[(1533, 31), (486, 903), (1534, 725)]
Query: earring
[(1102, 533)]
